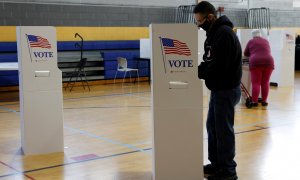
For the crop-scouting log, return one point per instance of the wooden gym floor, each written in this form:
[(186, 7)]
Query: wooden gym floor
[(108, 137)]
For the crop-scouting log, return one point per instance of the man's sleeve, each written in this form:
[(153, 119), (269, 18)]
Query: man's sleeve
[(202, 74), (223, 50)]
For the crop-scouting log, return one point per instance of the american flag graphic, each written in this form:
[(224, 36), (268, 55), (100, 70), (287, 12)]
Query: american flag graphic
[(37, 41), (172, 46)]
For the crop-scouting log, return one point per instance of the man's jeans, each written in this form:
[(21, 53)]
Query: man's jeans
[(220, 122)]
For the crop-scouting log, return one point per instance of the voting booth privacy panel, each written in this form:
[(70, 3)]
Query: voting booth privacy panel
[(41, 101), (283, 50), (282, 43), (177, 103)]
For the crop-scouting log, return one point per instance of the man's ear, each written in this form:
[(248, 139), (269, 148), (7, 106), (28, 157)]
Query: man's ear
[(210, 17)]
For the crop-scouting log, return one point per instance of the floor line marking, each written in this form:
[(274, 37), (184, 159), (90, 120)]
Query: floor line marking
[(105, 139), (17, 171), (107, 95), (109, 156), (75, 162), (86, 97), (103, 107), (8, 109), (148, 98)]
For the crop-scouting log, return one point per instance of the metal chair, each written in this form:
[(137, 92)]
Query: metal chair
[(79, 72), (122, 67)]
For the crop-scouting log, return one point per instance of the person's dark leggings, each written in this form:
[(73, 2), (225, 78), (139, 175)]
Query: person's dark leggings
[(220, 122)]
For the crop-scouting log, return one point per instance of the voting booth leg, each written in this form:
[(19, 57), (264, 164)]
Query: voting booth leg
[(177, 103), (40, 82)]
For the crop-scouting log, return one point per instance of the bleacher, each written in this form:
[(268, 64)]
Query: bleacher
[(8, 53), (101, 59)]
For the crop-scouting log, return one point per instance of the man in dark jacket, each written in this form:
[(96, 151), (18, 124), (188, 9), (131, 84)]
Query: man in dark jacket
[(222, 71)]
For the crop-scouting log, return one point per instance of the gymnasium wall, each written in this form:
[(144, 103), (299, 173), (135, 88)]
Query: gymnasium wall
[(283, 13), (126, 21), (25, 14), (89, 33), (168, 3), (278, 18)]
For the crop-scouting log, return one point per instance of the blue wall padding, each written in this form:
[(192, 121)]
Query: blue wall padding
[(143, 64), (112, 65), (98, 45), (144, 72), (113, 55), (13, 57), (8, 73), (8, 47), (88, 45), (9, 80)]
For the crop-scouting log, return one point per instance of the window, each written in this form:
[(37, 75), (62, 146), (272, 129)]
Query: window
[(296, 3)]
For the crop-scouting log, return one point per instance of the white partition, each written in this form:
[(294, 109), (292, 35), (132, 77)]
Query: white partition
[(282, 42), (145, 50), (283, 50), (201, 40), (244, 36), (40, 83), (177, 103)]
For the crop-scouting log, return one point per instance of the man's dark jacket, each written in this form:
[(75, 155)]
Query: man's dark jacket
[(222, 66)]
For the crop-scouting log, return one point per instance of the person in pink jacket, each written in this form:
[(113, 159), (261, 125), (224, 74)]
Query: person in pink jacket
[(261, 64)]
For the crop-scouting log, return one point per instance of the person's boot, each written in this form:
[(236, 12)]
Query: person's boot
[(220, 175), (209, 169)]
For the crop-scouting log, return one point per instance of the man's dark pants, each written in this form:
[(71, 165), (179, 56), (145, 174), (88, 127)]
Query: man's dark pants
[(220, 122)]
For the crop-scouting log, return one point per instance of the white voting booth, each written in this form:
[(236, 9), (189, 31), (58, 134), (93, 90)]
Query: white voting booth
[(40, 83), (283, 50), (282, 45), (177, 103)]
